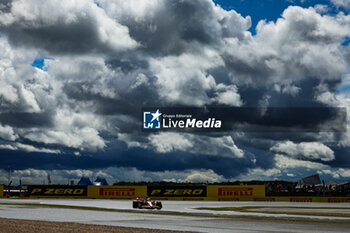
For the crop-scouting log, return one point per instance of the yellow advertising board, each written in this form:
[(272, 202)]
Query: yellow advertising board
[(337, 199), (178, 192), (308, 199), (57, 191), (116, 192), (235, 192), (172, 192), (1, 191)]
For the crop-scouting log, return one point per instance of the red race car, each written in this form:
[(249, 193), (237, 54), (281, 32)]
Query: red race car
[(146, 203)]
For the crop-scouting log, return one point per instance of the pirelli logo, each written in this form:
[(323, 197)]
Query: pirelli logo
[(228, 199), (57, 190), (338, 200), (295, 199), (117, 192), (266, 199), (234, 191)]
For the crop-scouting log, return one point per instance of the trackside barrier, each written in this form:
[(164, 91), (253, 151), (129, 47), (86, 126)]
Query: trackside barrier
[(116, 192), (1, 191), (170, 192), (257, 193)]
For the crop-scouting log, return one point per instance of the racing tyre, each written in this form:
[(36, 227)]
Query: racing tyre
[(135, 204), (158, 203)]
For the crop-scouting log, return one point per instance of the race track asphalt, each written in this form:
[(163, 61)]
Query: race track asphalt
[(211, 221)]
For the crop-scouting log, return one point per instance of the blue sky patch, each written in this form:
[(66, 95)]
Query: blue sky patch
[(39, 62), (346, 41)]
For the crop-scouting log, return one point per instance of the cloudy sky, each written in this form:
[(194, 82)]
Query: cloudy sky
[(74, 75)]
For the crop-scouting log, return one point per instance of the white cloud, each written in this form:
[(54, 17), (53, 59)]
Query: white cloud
[(112, 174), (7, 147), (30, 148), (7, 133), (306, 150), (29, 99), (307, 44), (283, 163), (14, 69), (261, 174), (294, 168), (337, 100), (8, 92), (336, 173), (183, 79), (167, 142), (341, 3), (170, 142), (202, 176), (138, 9), (287, 89), (228, 95), (344, 172), (321, 8), (82, 139)]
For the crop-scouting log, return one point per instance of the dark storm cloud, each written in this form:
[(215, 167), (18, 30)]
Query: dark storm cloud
[(60, 28), (342, 157), (257, 70), (77, 38), (27, 120), (128, 103), (124, 158), (174, 25), (5, 6), (127, 63)]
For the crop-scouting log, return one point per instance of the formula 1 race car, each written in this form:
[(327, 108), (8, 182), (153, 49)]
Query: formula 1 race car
[(146, 203)]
